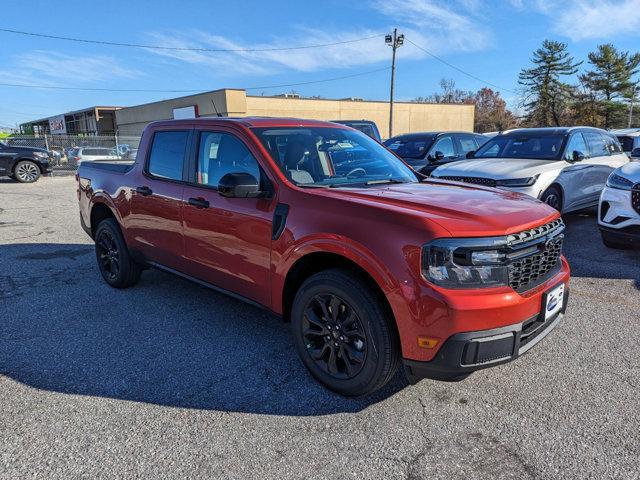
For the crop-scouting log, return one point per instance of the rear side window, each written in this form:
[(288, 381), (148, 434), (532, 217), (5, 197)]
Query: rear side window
[(596, 143), (167, 154)]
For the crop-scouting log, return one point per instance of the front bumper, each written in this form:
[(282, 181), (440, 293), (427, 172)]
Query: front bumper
[(464, 353), (616, 211)]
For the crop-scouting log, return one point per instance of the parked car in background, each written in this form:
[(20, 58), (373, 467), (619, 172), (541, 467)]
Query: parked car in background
[(619, 210), (629, 138), (564, 167), (92, 154), (367, 127), (24, 164), (374, 267), (428, 150)]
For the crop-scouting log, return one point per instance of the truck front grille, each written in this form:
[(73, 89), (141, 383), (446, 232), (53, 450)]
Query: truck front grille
[(489, 182), (635, 197), (535, 255)]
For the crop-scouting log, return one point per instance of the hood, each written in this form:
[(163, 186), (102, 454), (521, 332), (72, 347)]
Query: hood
[(498, 168), (463, 210), (630, 170), (18, 149)]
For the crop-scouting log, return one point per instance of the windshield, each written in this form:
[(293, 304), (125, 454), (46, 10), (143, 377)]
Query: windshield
[(410, 147), (332, 157), (543, 147)]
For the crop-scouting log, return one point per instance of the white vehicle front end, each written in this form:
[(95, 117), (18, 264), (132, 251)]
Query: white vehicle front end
[(619, 208)]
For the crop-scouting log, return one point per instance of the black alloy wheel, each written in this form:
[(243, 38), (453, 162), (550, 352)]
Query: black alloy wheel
[(108, 254), (334, 336)]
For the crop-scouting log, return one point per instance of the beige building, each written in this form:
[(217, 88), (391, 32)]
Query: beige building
[(407, 117)]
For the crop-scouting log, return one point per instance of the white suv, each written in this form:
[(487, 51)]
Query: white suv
[(619, 210), (565, 167)]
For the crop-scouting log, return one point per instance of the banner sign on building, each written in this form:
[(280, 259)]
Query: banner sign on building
[(57, 125), (185, 112)]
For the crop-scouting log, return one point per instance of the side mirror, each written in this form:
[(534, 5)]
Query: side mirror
[(470, 154), (239, 185), (635, 153), (577, 156)]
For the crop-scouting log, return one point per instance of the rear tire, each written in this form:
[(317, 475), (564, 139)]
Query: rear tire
[(343, 333), (552, 196), (610, 241), (114, 261), (26, 171)]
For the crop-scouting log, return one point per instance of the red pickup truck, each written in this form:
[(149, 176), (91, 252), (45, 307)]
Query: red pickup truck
[(373, 265)]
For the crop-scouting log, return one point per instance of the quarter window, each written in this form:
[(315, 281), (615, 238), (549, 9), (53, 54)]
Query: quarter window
[(222, 153), (167, 154)]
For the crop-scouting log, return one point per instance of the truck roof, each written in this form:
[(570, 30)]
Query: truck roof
[(251, 122)]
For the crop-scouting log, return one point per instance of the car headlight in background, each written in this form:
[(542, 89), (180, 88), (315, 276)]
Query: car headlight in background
[(466, 263), (41, 154), (619, 182), (517, 182)]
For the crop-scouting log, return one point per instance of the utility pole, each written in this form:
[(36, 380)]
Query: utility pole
[(634, 89), (394, 41)]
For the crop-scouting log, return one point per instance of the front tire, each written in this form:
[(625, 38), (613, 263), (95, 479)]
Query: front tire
[(26, 172), (552, 196), (114, 261), (343, 333)]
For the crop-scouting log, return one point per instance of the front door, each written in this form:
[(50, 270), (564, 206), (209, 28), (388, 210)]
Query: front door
[(154, 223), (227, 240)]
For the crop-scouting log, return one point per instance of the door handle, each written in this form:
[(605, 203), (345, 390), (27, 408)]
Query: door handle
[(198, 202), (145, 191)]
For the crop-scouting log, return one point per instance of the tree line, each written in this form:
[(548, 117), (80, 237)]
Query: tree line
[(602, 94)]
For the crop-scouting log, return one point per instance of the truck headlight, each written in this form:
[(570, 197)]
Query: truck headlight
[(619, 182), (466, 263), (517, 182)]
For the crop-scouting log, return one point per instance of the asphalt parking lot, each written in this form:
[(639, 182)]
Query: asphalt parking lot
[(171, 380)]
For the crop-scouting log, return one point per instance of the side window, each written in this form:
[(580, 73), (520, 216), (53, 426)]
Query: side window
[(167, 154), (444, 145), (596, 144), (612, 144), (467, 144), (576, 143), (222, 153)]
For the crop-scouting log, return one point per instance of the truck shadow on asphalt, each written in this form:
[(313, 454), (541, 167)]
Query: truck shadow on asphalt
[(165, 341)]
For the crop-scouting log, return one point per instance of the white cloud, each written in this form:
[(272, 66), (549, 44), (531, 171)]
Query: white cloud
[(435, 25), (588, 19), (39, 65)]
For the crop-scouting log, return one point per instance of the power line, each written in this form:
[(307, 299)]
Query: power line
[(142, 90), (459, 69), (188, 49)]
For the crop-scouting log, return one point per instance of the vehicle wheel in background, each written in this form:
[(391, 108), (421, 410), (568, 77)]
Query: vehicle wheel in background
[(26, 172), (116, 265), (552, 196), (343, 333), (610, 241)]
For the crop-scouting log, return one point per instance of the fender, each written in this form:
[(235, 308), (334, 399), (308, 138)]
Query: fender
[(329, 243), (104, 199)]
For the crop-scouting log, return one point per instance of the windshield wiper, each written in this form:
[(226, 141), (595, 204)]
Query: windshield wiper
[(384, 181)]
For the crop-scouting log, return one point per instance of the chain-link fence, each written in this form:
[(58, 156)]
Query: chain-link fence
[(66, 152)]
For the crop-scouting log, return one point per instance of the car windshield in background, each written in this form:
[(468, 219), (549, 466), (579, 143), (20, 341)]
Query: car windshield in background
[(332, 157), (410, 147), (544, 147)]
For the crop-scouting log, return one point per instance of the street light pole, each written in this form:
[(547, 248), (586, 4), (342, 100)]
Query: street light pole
[(394, 41)]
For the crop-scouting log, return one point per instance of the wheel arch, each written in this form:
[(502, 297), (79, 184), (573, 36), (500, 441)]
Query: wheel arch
[(99, 211), (560, 188), (318, 261)]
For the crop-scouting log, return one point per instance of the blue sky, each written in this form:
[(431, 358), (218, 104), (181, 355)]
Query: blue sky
[(491, 39)]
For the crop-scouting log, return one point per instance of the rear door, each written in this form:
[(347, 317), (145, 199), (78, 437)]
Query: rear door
[(154, 223), (6, 160), (227, 240)]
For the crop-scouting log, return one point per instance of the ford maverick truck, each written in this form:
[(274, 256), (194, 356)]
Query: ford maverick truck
[(375, 266)]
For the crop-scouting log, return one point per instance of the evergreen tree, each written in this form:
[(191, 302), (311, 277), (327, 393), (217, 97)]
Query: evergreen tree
[(546, 95), (611, 81)]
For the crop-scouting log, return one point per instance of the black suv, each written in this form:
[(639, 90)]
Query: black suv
[(428, 150), (24, 164)]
